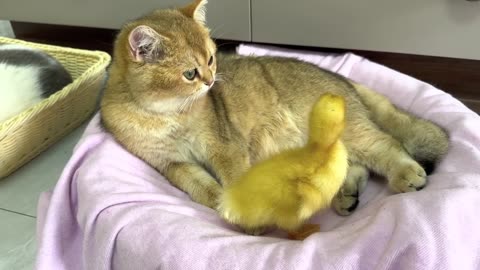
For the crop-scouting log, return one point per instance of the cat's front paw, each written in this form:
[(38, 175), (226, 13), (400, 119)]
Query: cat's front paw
[(408, 177), (347, 198), (344, 205), (210, 197)]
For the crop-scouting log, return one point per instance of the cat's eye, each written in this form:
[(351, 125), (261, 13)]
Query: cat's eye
[(210, 61), (190, 74)]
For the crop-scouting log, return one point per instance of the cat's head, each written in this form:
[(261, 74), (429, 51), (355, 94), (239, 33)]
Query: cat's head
[(167, 58)]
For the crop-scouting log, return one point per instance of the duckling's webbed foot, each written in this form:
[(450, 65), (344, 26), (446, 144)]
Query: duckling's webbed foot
[(303, 232)]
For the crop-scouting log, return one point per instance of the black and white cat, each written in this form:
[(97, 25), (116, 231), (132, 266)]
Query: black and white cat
[(27, 76)]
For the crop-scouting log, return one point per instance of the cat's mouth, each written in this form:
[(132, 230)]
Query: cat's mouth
[(206, 86), (204, 89)]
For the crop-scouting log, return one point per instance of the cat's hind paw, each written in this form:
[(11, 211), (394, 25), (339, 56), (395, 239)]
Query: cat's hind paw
[(408, 177)]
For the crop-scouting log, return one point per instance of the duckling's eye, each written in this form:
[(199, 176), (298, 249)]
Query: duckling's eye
[(190, 74), (210, 61)]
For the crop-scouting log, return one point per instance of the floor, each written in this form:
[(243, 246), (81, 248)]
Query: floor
[(19, 194)]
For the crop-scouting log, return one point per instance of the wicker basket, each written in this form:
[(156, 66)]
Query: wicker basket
[(28, 134)]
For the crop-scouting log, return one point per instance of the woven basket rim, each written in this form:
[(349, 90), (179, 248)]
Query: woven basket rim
[(102, 60)]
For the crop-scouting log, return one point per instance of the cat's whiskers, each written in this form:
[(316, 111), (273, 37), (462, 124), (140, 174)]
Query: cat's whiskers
[(194, 98), (193, 101), (219, 77), (189, 102), (214, 32), (184, 105)]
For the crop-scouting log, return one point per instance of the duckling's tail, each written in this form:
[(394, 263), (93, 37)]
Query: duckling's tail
[(327, 121)]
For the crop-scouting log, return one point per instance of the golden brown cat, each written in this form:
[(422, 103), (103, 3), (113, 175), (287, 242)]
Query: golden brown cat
[(165, 104)]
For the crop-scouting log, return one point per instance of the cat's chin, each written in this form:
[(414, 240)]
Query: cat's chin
[(203, 90), (164, 106)]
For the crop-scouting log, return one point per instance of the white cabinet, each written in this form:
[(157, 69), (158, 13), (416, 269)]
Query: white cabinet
[(448, 28), (229, 19)]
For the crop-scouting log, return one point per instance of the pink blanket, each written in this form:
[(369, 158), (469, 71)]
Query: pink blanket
[(110, 210)]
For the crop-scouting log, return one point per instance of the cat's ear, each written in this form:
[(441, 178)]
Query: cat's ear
[(145, 44), (196, 10)]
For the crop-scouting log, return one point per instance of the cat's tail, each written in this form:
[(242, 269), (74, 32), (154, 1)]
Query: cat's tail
[(426, 142), (327, 121)]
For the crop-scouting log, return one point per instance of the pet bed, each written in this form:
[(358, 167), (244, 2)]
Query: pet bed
[(110, 210)]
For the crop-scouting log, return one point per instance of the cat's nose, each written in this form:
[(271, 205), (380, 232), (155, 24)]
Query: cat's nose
[(209, 83)]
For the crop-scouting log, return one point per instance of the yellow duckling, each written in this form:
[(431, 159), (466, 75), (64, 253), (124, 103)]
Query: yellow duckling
[(288, 188)]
